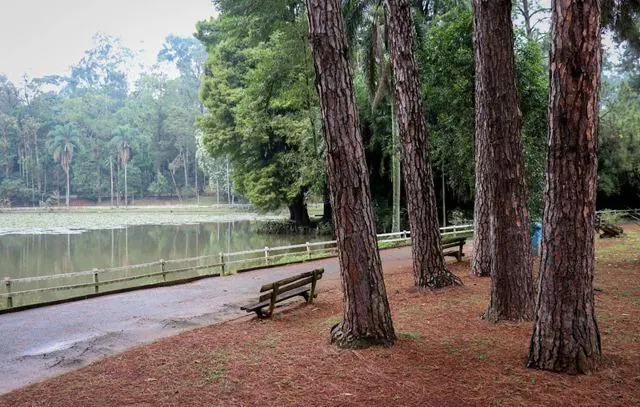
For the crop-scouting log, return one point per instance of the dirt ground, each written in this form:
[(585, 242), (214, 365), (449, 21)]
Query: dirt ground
[(445, 355)]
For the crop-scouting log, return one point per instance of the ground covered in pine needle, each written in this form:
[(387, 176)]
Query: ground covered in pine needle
[(445, 355)]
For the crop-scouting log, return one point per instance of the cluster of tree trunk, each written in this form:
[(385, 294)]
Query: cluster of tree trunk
[(565, 336)]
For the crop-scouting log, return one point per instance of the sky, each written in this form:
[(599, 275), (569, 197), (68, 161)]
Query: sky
[(43, 37)]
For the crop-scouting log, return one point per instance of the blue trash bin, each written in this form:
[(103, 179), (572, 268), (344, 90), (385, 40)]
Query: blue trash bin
[(536, 238)]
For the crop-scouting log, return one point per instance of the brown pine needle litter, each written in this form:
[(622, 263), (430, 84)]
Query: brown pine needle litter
[(445, 355)]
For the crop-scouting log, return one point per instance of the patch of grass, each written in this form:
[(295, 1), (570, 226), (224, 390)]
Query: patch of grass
[(213, 368), (390, 245), (294, 258), (449, 343), (271, 341), (329, 322)]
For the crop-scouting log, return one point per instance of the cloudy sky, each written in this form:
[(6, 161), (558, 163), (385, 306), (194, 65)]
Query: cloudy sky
[(41, 37)]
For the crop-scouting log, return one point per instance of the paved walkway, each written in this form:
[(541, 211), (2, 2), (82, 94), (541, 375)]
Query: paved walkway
[(48, 341)]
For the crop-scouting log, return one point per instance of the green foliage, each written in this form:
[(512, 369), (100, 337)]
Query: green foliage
[(15, 191), (262, 108), (611, 218), (619, 143), (160, 186), (448, 77), (447, 69)]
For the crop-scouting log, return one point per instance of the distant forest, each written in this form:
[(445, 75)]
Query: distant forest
[(102, 136), (241, 116)]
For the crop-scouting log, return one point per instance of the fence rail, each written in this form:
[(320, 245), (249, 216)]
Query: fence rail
[(226, 263)]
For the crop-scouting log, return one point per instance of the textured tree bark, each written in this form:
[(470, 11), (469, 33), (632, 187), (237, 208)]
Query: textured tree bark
[(565, 335), (429, 268), (482, 220), (501, 171), (366, 317)]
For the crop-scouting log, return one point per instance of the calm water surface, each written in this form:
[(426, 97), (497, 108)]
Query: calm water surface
[(46, 254)]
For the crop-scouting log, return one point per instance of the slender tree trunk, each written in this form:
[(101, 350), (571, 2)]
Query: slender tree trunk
[(185, 156), (126, 189), (395, 170), (429, 267), (217, 191), (444, 197), (99, 180), (111, 175), (195, 165), (175, 185), (66, 173), (498, 131), (366, 316), (565, 335), (228, 183), (527, 19)]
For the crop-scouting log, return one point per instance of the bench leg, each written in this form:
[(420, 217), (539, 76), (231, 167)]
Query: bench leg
[(261, 314)]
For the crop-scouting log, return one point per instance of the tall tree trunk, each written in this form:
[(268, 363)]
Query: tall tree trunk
[(126, 189), (565, 335), (111, 175), (444, 197), (228, 184), (185, 156), (395, 170), (366, 315), (195, 166), (498, 131), (66, 173), (429, 267), (527, 19), (175, 185), (99, 181)]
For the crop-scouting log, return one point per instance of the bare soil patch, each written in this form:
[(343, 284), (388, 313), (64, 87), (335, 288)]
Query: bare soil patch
[(445, 355)]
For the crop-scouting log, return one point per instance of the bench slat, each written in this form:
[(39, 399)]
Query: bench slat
[(290, 286), (303, 284), (288, 280), (281, 297)]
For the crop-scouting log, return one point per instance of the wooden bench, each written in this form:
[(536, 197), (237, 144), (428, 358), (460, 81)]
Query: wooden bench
[(303, 285), (456, 244)]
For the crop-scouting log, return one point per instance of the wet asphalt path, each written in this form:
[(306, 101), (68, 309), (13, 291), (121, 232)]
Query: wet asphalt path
[(44, 342)]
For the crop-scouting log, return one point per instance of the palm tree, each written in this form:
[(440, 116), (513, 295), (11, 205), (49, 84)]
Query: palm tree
[(63, 142), (121, 139)]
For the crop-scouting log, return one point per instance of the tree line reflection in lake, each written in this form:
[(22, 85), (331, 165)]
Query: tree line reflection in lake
[(47, 254)]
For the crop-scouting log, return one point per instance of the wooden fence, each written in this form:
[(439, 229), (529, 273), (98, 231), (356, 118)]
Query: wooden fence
[(100, 281)]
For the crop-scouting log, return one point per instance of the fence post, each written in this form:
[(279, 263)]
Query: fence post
[(7, 284), (163, 267), (266, 255), (222, 262), (96, 282), (308, 250)]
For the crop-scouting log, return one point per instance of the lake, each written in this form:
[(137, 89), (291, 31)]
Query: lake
[(30, 255), (53, 244)]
